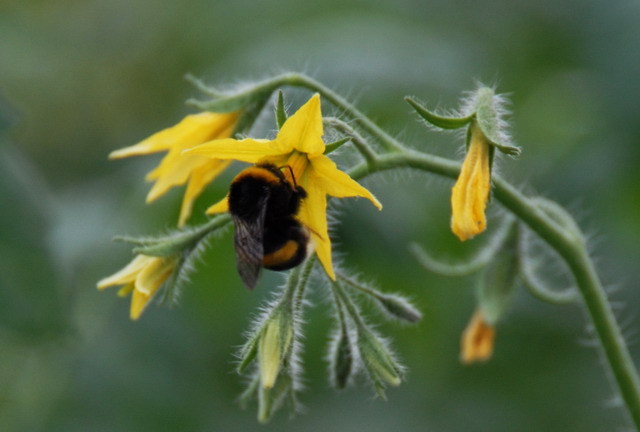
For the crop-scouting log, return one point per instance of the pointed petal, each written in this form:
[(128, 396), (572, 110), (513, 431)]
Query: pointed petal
[(303, 130), (148, 281), (127, 274), (246, 150), (221, 206), (174, 170), (126, 289), (192, 130), (334, 182), (200, 177), (313, 214)]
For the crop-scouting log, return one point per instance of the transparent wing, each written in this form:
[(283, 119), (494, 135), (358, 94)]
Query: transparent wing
[(248, 243)]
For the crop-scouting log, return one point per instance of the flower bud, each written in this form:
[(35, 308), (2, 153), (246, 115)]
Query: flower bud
[(273, 347), (378, 361), (341, 360), (398, 307), (477, 340)]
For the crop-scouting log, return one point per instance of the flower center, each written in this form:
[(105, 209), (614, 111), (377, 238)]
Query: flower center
[(298, 163)]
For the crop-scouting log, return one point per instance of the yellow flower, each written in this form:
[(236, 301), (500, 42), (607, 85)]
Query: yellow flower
[(142, 277), (299, 146), (477, 340), (471, 191), (176, 168)]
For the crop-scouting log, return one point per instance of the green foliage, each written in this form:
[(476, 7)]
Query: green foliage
[(84, 78)]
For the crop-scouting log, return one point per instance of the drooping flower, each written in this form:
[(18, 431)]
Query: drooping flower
[(471, 191), (176, 168), (299, 146), (141, 278), (477, 339), (482, 114)]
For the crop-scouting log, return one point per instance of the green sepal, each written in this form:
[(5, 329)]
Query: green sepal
[(249, 116), (336, 145), (159, 246), (488, 120), (378, 361), (398, 307), (176, 243), (248, 352), (171, 289), (269, 400), (438, 120), (229, 101), (252, 390), (393, 306), (281, 112)]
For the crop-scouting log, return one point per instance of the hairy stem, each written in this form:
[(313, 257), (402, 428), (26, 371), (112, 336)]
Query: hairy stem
[(565, 242), (570, 248)]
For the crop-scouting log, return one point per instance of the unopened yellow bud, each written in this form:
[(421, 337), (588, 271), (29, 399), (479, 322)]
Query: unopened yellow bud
[(477, 340)]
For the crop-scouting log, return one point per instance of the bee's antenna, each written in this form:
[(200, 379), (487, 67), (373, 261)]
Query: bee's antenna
[(295, 185)]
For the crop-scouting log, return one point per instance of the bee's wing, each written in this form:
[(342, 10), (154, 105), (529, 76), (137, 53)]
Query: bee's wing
[(248, 243)]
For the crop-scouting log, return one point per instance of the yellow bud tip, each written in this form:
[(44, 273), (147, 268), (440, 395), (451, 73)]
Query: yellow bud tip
[(269, 354), (394, 381), (478, 340)]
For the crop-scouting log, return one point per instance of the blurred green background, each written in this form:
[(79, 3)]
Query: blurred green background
[(79, 78)]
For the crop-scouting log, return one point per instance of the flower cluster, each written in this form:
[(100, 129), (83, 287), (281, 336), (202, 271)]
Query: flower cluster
[(278, 204)]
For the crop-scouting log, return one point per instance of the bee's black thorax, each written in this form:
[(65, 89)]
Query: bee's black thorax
[(261, 182)]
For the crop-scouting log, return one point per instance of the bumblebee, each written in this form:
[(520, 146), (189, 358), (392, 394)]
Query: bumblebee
[(263, 205)]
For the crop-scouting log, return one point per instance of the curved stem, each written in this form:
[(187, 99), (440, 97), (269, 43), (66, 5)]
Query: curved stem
[(358, 141), (299, 80), (565, 242), (570, 248)]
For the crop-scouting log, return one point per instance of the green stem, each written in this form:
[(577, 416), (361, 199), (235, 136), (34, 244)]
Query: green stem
[(295, 79), (569, 247), (358, 141), (303, 278), (572, 249), (566, 244)]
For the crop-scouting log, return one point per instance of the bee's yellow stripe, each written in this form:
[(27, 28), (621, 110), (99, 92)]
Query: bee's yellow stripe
[(257, 172), (282, 256)]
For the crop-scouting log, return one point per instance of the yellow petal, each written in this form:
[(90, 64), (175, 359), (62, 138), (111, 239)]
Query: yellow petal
[(327, 176), (221, 206), (126, 289), (246, 150), (477, 340), (174, 170), (313, 214), (471, 191), (127, 274), (199, 178), (192, 130), (303, 130), (148, 281)]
